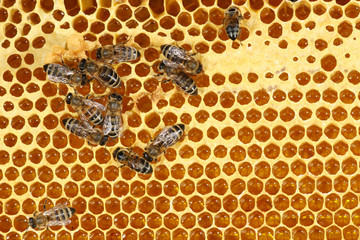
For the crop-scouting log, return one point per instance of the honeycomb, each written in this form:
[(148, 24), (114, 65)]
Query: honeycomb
[(271, 148)]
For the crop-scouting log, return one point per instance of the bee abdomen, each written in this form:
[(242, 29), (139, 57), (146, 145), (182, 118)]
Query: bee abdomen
[(75, 126), (233, 31), (140, 165), (109, 77), (94, 115), (186, 83), (115, 128)]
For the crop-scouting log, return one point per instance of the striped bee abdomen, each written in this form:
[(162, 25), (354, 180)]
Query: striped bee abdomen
[(186, 83), (109, 77), (93, 115)]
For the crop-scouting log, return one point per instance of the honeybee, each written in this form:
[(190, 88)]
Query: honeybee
[(231, 22), (180, 59), (113, 120), (84, 130), (117, 53), (104, 73), (179, 77), (87, 109), (57, 216), (63, 74), (133, 161), (165, 139)]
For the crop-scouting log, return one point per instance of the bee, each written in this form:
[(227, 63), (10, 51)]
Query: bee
[(113, 120), (117, 53), (180, 59), (84, 130), (57, 216), (231, 22), (165, 139), (133, 161), (104, 73), (87, 109), (179, 77), (63, 74)]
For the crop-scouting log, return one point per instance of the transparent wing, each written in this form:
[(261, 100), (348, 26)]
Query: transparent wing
[(92, 103), (64, 76), (165, 138), (180, 52), (52, 210), (107, 124), (172, 64), (58, 223)]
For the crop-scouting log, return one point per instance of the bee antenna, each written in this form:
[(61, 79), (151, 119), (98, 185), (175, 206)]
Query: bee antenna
[(61, 91), (22, 220)]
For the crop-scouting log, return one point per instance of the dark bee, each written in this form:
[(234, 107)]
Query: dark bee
[(113, 121), (133, 161), (180, 59), (84, 130), (104, 73), (87, 109), (57, 216), (165, 139), (231, 22), (63, 74), (117, 53), (179, 77)]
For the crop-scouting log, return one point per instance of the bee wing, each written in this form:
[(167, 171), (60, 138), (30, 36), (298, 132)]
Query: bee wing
[(172, 64), (92, 103), (165, 139), (107, 124), (55, 208), (180, 53), (58, 223)]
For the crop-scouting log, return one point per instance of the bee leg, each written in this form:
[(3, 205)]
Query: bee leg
[(166, 81)]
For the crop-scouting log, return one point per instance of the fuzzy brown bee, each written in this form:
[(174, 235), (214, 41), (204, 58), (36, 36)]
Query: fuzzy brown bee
[(179, 58), (102, 72), (117, 53), (57, 216), (113, 120), (62, 74), (84, 130), (231, 22), (179, 77), (133, 161), (165, 139), (87, 109)]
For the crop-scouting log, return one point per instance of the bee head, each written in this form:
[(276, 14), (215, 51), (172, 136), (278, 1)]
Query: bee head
[(68, 98), (98, 53), (32, 222), (115, 96), (161, 65), (119, 154), (199, 69), (232, 11), (104, 140), (82, 64), (83, 79), (147, 157), (46, 66)]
